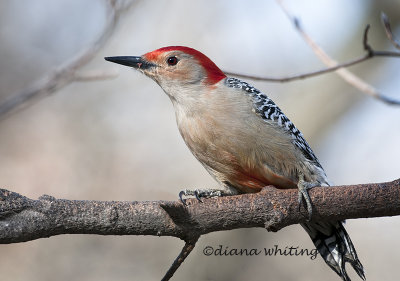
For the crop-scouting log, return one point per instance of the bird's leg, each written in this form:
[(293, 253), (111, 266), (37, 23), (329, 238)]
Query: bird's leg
[(303, 187), (206, 193)]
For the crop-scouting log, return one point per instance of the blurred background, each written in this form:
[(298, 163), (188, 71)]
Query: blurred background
[(117, 139)]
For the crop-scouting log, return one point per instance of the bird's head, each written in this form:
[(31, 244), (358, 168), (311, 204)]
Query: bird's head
[(175, 68)]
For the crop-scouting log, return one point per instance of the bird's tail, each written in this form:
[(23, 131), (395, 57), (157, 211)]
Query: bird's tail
[(335, 247)]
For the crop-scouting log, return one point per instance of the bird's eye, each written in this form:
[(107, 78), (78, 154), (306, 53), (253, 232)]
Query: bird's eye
[(172, 60)]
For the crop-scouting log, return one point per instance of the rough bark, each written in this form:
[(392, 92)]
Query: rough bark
[(23, 219)]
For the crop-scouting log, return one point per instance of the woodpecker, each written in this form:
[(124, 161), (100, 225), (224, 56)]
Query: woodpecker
[(243, 139)]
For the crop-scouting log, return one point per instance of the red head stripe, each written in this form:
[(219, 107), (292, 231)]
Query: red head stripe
[(214, 74)]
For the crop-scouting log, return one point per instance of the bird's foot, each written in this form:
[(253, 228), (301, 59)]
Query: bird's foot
[(303, 187), (201, 193)]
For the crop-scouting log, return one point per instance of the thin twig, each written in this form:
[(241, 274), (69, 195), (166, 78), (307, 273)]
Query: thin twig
[(65, 74), (333, 65), (361, 59), (304, 75), (186, 250), (388, 30), (348, 76)]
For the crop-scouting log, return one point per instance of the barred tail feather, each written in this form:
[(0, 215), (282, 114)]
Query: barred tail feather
[(335, 247)]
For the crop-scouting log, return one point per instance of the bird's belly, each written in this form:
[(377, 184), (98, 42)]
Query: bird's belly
[(245, 155), (246, 175), (254, 180)]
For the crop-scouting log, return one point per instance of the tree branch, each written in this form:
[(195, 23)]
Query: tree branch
[(23, 219)]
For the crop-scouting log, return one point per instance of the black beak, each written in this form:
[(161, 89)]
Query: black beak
[(135, 62)]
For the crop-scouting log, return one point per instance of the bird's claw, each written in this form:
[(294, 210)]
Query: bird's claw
[(303, 194), (181, 193), (198, 194)]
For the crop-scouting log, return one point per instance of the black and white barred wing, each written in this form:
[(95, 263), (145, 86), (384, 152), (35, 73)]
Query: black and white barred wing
[(268, 110)]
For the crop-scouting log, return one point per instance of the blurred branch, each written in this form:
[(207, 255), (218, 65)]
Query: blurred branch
[(65, 74), (388, 30), (23, 219), (94, 75), (348, 76)]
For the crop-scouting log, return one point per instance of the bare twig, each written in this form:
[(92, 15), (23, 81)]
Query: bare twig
[(361, 59), (65, 74), (304, 75), (333, 65), (186, 250), (388, 30), (348, 76)]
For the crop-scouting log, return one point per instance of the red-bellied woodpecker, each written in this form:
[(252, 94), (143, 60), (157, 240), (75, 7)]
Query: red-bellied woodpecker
[(242, 139)]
